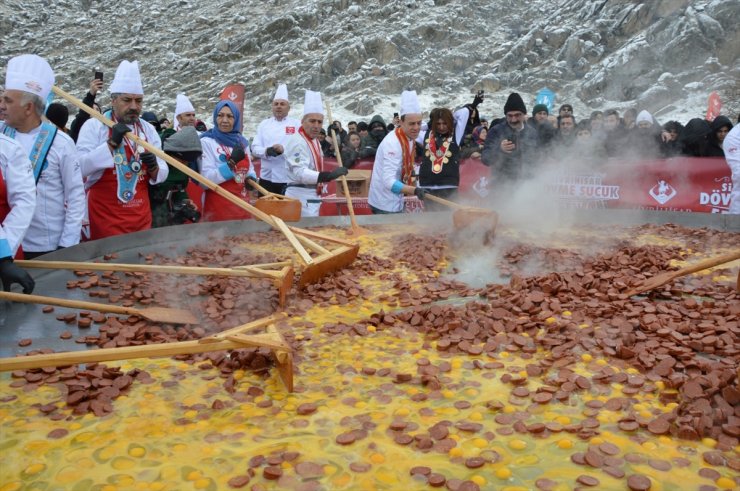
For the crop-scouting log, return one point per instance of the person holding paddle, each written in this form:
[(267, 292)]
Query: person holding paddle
[(60, 195), (306, 175), (115, 168), (17, 203)]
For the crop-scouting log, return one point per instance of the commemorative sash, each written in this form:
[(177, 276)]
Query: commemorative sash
[(318, 158), (127, 164), (40, 148), (407, 166)]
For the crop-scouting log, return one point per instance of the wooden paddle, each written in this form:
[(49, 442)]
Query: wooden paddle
[(663, 278), (317, 268), (465, 215), (154, 314), (356, 229), (288, 209), (147, 268)]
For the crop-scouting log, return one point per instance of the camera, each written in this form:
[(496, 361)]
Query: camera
[(181, 213)]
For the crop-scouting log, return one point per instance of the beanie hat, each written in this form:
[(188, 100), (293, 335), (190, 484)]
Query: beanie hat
[(185, 144), (539, 108), (515, 103), (644, 116), (57, 114)]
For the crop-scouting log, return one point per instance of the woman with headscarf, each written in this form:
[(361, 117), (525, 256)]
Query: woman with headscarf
[(226, 162), (473, 145), (439, 172)]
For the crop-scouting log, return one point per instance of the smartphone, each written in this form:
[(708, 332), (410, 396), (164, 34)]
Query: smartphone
[(98, 75)]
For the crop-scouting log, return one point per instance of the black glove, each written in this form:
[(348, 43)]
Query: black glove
[(237, 155), (149, 160), (330, 176), (10, 273), (420, 193), (271, 152), (478, 98), (118, 131)]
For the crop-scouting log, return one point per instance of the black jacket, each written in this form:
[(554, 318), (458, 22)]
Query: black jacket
[(82, 116), (449, 175), (517, 164)]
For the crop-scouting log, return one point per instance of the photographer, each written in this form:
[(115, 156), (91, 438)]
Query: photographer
[(171, 204)]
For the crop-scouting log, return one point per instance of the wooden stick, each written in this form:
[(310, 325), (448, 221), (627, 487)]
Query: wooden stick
[(255, 324), (304, 256), (445, 202), (145, 268), (343, 179)]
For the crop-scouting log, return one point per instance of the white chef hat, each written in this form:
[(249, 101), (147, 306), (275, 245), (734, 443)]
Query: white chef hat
[(127, 79), (409, 103), (183, 105), (281, 93), (312, 103), (29, 73), (644, 116)]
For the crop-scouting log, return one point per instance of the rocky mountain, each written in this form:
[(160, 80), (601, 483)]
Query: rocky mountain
[(663, 55)]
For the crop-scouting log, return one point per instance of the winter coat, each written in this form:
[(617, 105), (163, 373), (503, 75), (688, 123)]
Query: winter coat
[(517, 164), (694, 138), (714, 147)]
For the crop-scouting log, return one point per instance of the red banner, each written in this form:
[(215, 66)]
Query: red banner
[(235, 94)]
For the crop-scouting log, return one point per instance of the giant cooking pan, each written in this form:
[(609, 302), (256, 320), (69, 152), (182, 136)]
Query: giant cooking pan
[(18, 321)]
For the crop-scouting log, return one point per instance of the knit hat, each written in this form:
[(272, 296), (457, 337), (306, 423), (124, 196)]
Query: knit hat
[(644, 116), (127, 79), (539, 108), (409, 103), (29, 73), (185, 144), (57, 114), (514, 103)]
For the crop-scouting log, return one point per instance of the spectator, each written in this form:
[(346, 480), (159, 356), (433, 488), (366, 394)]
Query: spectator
[(327, 149), (362, 129), (200, 126), (151, 118), (614, 133), (473, 147), (351, 149), (596, 121), (566, 130), (164, 124), (539, 121), (472, 119), (721, 126), (484, 123), (671, 147), (511, 146), (644, 140), (58, 114), (89, 100), (629, 119), (565, 110), (338, 130), (351, 126), (694, 138), (376, 132)]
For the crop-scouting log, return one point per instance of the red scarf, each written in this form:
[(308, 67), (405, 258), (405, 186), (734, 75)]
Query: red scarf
[(407, 167), (315, 147)]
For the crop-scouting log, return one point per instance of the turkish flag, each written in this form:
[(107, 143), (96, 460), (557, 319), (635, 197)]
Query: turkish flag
[(714, 106), (235, 94)]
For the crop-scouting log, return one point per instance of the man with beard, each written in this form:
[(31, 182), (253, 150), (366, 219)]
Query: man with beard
[(306, 174), (393, 170), (269, 143), (511, 145), (60, 197), (116, 168), (539, 121)]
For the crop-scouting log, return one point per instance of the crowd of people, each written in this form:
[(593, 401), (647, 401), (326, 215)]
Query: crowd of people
[(54, 176)]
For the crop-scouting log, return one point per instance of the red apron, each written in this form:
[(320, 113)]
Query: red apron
[(5, 209), (109, 216), (218, 209)]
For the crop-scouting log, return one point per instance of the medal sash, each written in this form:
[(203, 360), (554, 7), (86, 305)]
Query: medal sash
[(41, 147), (439, 157), (126, 163), (318, 158), (407, 166)]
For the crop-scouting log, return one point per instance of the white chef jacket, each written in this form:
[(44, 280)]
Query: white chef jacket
[(302, 171), (271, 132), (60, 195), (95, 155), (21, 194), (212, 167), (731, 146), (386, 177)]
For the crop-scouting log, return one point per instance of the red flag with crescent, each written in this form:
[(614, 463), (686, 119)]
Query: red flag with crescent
[(235, 94), (714, 106)]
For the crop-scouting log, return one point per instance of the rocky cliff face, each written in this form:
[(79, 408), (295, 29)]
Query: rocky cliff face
[(664, 55)]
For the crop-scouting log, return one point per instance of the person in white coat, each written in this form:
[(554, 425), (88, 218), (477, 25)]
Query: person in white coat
[(17, 204), (392, 176), (115, 168), (306, 173), (60, 199), (269, 143), (731, 147)]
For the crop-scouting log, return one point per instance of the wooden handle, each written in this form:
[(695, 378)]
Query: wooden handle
[(265, 192), (73, 304), (445, 202), (708, 263), (141, 268), (343, 179)]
